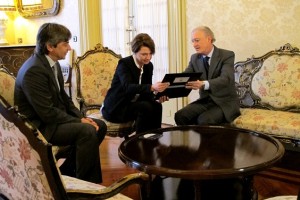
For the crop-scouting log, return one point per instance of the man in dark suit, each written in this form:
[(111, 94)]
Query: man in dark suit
[(40, 95), (218, 102)]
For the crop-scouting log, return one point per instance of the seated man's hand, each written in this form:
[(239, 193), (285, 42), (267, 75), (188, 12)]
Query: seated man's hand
[(195, 85), (90, 121)]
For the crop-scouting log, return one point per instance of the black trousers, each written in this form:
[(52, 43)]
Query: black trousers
[(83, 157), (147, 115), (200, 112)]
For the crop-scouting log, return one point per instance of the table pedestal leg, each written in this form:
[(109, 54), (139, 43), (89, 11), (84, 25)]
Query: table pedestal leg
[(197, 187), (160, 188)]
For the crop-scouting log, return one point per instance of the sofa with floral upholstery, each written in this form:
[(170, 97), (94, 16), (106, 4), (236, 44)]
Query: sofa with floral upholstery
[(269, 93)]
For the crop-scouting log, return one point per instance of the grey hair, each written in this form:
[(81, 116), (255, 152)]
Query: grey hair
[(207, 31)]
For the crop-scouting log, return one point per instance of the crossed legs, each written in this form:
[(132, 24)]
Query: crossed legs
[(83, 160)]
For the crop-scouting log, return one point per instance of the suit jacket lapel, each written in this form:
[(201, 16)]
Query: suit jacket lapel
[(135, 70), (48, 68), (213, 62), (201, 68)]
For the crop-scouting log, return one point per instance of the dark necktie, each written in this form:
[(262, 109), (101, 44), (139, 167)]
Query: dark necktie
[(54, 68), (205, 62)]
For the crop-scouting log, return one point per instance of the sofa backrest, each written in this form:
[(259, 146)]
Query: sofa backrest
[(270, 81)]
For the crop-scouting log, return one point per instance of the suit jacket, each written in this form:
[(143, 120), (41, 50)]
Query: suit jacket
[(221, 80), (39, 98), (125, 85)]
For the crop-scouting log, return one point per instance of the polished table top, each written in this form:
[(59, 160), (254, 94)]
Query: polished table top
[(201, 152)]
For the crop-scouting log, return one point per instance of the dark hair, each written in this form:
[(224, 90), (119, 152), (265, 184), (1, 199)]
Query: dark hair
[(52, 34), (140, 40)]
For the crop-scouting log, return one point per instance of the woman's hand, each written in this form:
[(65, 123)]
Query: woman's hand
[(159, 86), (163, 99)]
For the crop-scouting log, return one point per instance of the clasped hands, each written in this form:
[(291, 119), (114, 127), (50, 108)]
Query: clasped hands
[(195, 85), (160, 87), (90, 121)]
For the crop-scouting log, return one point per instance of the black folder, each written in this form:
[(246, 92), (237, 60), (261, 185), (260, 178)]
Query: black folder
[(177, 84)]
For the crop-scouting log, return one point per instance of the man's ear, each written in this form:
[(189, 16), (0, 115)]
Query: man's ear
[(49, 47), (209, 38)]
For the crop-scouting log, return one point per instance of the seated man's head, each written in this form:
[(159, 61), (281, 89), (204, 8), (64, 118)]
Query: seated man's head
[(53, 40), (203, 39)]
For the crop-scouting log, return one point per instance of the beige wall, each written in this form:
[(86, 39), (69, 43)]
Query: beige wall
[(19, 27), (248, 27)]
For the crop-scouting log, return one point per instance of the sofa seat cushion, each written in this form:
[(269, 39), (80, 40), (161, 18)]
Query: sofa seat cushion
[(277, 123)]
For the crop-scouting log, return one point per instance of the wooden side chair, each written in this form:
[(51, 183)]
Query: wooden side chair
[(94, 73), (28, 169)]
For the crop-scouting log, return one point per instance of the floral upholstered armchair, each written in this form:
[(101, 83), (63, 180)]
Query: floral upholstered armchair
[(28, 169), (7, 84), (94, 74)]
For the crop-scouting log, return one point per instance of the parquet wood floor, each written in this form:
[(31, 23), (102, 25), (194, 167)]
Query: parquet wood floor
[(113, 168)]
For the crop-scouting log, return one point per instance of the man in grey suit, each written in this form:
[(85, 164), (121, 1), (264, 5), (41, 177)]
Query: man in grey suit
[(218, 102), (40, 96)]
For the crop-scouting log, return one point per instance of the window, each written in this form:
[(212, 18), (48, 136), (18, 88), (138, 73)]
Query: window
[(123, 19)]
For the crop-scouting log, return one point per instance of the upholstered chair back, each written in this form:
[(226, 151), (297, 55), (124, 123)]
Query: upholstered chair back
[(7, 84), (95, 70), (28, 167), (94, 74), (22, 175)]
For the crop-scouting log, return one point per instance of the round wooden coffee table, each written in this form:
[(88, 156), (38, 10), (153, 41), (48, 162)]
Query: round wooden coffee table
[(201, 159)]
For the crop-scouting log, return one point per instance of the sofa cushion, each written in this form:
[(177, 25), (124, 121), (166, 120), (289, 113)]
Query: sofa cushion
[(278, 123)]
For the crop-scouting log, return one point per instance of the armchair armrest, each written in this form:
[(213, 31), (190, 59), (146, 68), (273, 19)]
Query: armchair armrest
[(76, 188)]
